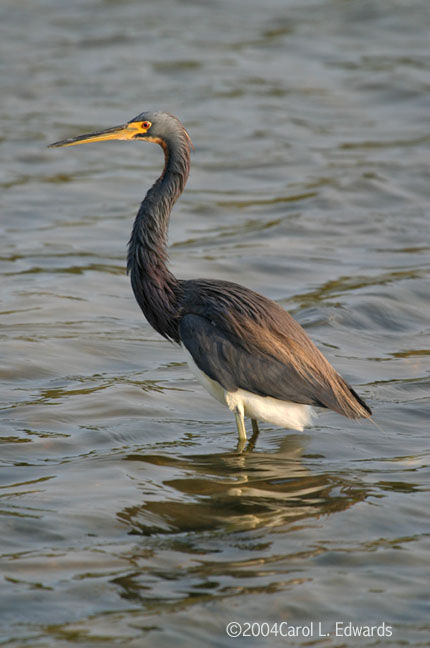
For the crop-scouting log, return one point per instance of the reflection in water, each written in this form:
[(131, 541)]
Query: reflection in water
[(240, 491), (228, 494)]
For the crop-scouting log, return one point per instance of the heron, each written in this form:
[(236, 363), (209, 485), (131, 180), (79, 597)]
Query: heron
[(246, 350)]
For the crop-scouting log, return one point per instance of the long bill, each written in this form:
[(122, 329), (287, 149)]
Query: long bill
[(124, 132)]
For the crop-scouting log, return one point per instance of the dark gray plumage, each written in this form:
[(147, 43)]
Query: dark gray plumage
[(236, 337)]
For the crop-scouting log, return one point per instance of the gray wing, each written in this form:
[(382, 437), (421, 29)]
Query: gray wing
[(223, 358), (244, 340)]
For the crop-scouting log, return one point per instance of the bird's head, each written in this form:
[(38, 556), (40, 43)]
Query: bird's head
[(159, 127)]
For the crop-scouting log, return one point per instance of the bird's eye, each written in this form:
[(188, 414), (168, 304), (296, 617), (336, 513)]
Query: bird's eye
[(146, 124)]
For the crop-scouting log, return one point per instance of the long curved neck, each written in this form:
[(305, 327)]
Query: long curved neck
[(154, 286)]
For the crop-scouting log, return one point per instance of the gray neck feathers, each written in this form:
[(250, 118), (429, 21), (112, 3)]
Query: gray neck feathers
[(155, 288)]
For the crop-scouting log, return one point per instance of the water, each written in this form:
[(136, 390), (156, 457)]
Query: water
[(128, 518)]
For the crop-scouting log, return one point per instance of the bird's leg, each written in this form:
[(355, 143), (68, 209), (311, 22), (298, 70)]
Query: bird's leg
[(253, 439), (255, 429), (240, 424), (241, 443)]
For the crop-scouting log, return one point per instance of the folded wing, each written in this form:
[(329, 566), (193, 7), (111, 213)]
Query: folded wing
[(253, 344)]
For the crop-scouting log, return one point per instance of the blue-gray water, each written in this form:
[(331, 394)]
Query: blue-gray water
[(127, 517)]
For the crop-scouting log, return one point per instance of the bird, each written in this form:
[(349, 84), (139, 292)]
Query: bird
[(246, 350)]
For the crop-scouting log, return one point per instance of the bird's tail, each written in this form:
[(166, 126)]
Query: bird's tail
[(363, 406)]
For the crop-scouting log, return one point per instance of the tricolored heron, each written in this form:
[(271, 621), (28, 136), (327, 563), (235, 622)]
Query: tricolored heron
[(246, 350)]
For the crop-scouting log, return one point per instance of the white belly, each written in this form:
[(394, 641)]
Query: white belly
[(294, 416)]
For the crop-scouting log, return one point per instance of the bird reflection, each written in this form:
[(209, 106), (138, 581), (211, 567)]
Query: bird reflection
[(237, 491), (255, 502)]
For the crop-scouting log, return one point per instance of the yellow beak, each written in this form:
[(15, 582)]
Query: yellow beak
[(125, 132)]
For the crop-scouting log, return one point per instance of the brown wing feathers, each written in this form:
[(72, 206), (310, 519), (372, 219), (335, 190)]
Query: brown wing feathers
[(248, 341)]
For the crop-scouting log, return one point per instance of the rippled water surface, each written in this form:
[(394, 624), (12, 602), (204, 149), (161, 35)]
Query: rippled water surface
[(127, 515)]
